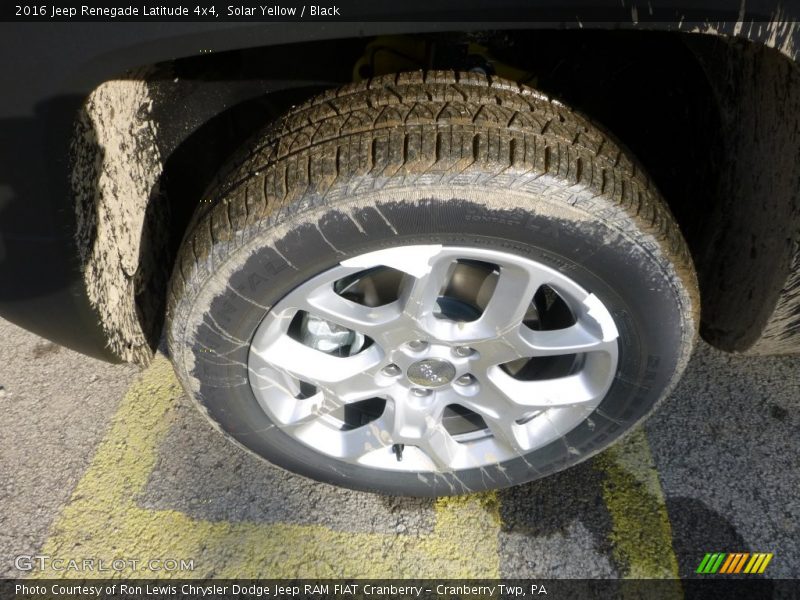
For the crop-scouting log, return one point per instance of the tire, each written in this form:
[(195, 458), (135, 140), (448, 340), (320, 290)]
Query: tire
[(502, 182)]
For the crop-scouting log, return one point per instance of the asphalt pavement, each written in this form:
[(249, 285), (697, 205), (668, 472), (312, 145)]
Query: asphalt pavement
[(106, 462)]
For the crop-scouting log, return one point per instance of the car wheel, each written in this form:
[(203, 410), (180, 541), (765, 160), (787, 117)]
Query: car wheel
[(431, 284)]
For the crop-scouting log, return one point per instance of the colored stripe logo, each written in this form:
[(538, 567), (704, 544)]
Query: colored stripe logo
[(734, 563)]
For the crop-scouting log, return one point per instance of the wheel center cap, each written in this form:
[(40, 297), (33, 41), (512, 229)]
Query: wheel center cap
[(431, 372)]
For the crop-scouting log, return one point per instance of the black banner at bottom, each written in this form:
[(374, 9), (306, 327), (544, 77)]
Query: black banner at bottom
[(394, 589)]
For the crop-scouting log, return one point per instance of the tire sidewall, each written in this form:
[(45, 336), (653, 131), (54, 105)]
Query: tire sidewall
[(607, 257)]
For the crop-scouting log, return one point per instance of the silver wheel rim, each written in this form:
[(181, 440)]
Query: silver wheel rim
[(415, 364)]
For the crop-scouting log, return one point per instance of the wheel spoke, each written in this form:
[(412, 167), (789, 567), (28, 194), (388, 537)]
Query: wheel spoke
[(310, 365), (427, 270), (360, 386), (301, 413), (357, 442), (413, 425), (572, 390), (282, 390), (517, 427), (264, 377), (500, 415), (441, 448), (413, 260), (575, 339), (325, 303), (349, 444), (507, 432), (419, 297), (510, 300), (406, 422)]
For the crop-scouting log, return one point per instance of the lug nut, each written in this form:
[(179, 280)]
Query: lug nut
[(391, 370), (462, 351), (417, 345), (465, 379), (420, 392)]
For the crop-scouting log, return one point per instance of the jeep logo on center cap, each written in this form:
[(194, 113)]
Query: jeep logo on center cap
[(431, 372)]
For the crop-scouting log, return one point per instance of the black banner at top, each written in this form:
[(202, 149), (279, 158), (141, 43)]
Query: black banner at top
[(574, 12)]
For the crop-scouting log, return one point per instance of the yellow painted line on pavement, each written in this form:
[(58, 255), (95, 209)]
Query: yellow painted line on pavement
[(103, 520), (641, 533)]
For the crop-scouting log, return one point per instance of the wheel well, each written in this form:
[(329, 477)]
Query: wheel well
[(677, 101)]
